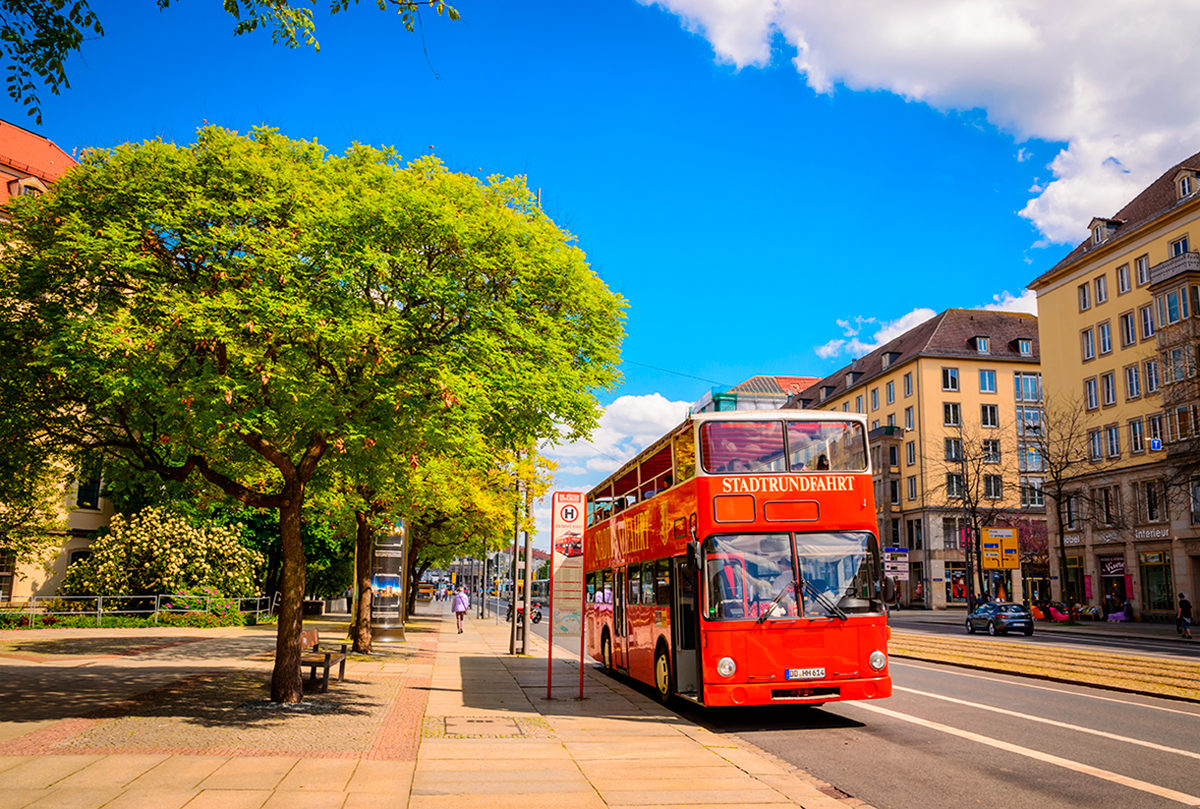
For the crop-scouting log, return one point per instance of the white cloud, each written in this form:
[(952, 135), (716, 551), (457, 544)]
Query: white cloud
[(1072, 71), (1006, 302), (884, 331)]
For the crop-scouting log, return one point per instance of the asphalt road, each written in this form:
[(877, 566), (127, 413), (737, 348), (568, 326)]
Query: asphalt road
[(950, 738)]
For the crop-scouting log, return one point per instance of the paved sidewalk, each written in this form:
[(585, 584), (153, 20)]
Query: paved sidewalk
[(174, 718)]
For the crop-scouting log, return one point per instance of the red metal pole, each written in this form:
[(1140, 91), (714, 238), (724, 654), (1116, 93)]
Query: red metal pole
[(550, 648)]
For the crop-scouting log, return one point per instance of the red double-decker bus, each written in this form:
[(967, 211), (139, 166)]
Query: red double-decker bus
[(736, 562)]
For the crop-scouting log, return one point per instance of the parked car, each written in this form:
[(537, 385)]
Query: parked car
[(998, 617)]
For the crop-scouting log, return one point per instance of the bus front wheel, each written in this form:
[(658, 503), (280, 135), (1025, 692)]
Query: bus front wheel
[(662, 675)]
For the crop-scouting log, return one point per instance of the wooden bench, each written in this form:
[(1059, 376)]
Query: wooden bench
[(314, 657)]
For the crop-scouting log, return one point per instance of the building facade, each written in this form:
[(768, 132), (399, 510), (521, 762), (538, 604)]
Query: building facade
[(1123, 311), (948, 404), (30, 165)]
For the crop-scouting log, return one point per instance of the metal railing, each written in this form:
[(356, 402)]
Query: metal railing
[(149, 606)]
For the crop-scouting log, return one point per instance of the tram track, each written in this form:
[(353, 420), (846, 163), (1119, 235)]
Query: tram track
[(1142, 674)]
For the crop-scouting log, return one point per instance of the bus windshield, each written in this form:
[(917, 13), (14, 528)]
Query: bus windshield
[(752, 575), (756, 447)]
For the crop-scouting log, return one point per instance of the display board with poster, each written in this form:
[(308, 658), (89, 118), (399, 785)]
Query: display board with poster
[(566, 572)]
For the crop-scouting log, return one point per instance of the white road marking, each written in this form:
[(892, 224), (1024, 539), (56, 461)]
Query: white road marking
[(1086, 769), (1054, 722), (1017, 679)]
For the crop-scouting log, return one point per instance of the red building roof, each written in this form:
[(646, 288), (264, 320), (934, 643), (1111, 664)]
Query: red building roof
[(24, 154)]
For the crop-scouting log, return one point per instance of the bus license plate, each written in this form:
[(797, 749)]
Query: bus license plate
[(805, 674)]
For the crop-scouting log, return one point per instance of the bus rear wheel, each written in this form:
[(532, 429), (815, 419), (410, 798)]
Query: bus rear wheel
[(662, 675)]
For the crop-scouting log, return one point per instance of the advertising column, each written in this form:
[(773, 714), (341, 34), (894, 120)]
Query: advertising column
[(566, 574), (387, 586)]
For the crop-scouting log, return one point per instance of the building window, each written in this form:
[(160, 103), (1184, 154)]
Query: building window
[(1133, 382), (991, 450), (1029, 421), (910, 453), (894, 491), (1142, 268), (874, 398), (1070, 511), (1097, 234), (1095, 445), (896, 539), (987, 381), (1195, 491), (1032, 494), (908, 418), (1150, 501), (88, 494), (1178, 364), (954, 486), (1123, 279), (891, 392), (875, 424), (1179, 247), (1028, 387), (1182, 422), (1137, 440), (1112, 441), (989, 415), (1025, 348), (1091, 395), (8, 568), (1154, 427), (1157, 592), (1101, 289), (893, 455), (891, 419), (912, 488), (993, 487), (953, 449), (1031, 458), (858, 403), (1085, 297), (908, 384), (1108, 505), (914, 528), (949, 379), (982, 345), (1088, 340), (951, 415), (1128, 327), (1108, 387), (1105, 332), (1152, 381), (846, 407), (1185, 186), (1146, 313), (1172, 308)]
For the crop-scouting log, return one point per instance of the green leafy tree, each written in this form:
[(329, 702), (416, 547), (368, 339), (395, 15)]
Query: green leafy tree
[(38, 36), (247, 308), (158, 551)]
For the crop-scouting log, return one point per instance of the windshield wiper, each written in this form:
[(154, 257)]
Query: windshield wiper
[(775, 601), (823, 599)]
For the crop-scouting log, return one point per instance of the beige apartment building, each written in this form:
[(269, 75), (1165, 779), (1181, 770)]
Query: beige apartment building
[(30, 165), (948, 404), (1122, 313)]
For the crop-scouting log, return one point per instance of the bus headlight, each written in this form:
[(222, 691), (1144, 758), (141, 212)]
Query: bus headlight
[(726, 667), (877, 660)]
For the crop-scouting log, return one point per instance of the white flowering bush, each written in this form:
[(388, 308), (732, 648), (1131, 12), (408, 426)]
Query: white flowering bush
[(159, 551)]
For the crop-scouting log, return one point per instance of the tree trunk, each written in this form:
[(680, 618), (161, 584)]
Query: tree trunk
[(286, 682), (363, 544)]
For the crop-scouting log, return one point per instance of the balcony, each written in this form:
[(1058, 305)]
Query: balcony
[(1174, 267)]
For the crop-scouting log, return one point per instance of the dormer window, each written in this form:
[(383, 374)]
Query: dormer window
[(982, 344), (826, 392), (1025, 348), (852, 377), (889, 357), (27, 187), (1103, 229), (1097, 234), (1185, 182)]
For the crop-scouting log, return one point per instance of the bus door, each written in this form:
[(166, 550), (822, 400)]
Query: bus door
[(685, 627), (620, 650)]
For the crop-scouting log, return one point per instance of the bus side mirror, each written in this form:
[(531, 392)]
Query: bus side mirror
[(889, 589), (693, 554)]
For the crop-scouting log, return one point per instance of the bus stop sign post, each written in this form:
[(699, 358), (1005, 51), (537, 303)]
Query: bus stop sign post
[(566, 576)]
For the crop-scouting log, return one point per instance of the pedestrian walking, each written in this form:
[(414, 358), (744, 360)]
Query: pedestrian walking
[(462, 603), (1184, 616)]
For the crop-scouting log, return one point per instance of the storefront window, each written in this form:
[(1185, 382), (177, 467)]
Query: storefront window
[(1155, 569), (956, 583), (1073, 591)]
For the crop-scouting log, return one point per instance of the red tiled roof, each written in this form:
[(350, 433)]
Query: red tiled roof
[(778, 385), (1157, 198), (22, 153)]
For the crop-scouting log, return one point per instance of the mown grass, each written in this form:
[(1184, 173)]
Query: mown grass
[(1170, 677)]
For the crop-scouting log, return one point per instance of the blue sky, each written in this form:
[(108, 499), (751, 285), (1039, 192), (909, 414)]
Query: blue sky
[(757, 177)]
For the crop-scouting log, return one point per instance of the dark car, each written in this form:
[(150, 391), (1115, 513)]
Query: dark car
[(998, 617)]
